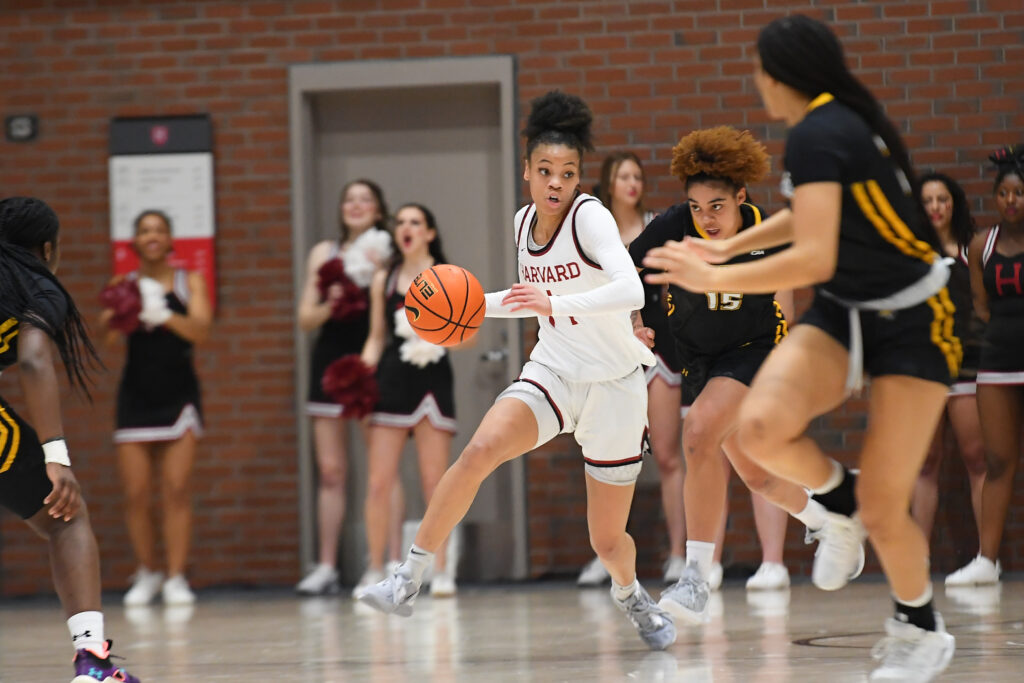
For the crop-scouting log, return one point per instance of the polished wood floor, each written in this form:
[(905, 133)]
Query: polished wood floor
[(528, 632)]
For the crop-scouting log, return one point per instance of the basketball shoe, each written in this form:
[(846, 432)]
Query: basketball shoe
[(91, 667), (394, 595), (910, 654), (654, 624), (840, 555), (980, 571), (688, 598), (593, 574)]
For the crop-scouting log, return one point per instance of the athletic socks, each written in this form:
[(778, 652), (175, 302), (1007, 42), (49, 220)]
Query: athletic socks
[(621, 593), (701, 554), (813, 514), (87, 631), (837, 494), (416, 562), (919, 612)]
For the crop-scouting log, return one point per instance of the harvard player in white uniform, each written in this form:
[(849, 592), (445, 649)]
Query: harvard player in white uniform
[(584, 376)]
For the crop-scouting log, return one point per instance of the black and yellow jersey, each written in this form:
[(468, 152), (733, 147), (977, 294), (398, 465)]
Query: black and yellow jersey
[(882, 245), (47, 297), (711, 323)]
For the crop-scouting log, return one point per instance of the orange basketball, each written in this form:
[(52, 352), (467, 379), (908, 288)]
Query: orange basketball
[(445, 304)]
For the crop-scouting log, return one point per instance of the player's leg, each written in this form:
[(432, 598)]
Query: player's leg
[(787, 393), (926, 489), (711, 417), (509, 429), (966, 424)]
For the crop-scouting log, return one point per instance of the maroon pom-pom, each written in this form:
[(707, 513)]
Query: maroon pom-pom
[(352, 384), (124, 299), (353, 301)]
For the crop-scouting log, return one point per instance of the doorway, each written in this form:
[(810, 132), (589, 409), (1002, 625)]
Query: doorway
[(439, 132)]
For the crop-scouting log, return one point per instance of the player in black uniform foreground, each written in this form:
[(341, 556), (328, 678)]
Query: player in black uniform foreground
[(881, 304), (721, 339), (997, 279), (36, 481)]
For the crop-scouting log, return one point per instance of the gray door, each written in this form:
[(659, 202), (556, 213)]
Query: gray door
[(444, 145)]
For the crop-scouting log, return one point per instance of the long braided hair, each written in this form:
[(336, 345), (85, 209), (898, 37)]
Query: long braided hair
[(26, 224)]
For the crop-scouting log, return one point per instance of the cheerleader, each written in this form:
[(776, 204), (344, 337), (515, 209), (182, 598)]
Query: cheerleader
[(36, 481), (621, 189), (334, 301), (415, 382), (881, 305), (996, 259), (946, 205), (585, 375), (159, 414)]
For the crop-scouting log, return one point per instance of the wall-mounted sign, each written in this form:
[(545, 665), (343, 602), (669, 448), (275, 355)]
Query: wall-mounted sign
[(164, 163)]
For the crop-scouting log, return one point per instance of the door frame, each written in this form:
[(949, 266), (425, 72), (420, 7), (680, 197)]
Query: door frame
[(305, 82)]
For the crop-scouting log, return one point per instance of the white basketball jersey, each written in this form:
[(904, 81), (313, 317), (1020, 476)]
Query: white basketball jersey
[(596, 347)]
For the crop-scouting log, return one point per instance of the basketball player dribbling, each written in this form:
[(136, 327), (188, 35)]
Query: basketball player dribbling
[(584, 376), (881, 305)]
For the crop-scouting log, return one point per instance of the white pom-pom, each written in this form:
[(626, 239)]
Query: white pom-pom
[(402, 327), (367, 252), (420, 353)]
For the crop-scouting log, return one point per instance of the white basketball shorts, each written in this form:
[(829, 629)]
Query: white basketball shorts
[(608, 419)]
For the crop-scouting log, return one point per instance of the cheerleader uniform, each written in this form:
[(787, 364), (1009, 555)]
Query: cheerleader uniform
[(1002, 354), (654, 315), (409, 393), (887, 301), (966, 325), (23, 481), (158, 398), (716, 334), (337, 338)]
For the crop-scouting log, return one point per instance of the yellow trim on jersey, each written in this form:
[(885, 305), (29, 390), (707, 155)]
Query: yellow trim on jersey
[(924, 250), (823, 98), (5, 337), (757, 212), (782, 326), (888, 229), (942, 331), (10, 439)]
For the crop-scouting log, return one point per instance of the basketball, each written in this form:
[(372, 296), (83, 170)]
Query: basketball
[(445, 305)]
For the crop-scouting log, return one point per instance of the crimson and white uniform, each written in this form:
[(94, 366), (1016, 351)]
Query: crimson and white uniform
[(585, 374)]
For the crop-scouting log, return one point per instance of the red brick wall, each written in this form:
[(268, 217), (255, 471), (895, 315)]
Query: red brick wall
[(651, 70)]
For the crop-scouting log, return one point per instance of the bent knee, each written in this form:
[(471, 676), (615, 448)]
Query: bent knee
[(481, 455), (604, 545)]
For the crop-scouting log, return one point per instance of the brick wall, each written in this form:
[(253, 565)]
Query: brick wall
[(651, 70)]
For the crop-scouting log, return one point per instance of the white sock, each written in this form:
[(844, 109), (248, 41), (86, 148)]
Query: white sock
[(701, 554), (416, 562), (87, 631), (834, 479), (621, 593), (813, 515)]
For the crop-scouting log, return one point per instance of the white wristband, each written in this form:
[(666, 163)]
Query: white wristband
[(56, 451)]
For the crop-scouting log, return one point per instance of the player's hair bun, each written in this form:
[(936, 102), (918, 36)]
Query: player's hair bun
[(721, 153), (557, 117)]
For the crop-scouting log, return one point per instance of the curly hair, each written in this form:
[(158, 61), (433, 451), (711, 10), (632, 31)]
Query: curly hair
[(723, 154)]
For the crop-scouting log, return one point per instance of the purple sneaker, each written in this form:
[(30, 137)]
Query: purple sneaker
[(91, 667)]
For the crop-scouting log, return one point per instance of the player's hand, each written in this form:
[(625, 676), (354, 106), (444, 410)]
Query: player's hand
[(646, 335), (678, 265), (66, 497), (712, 251), (523, 296)]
